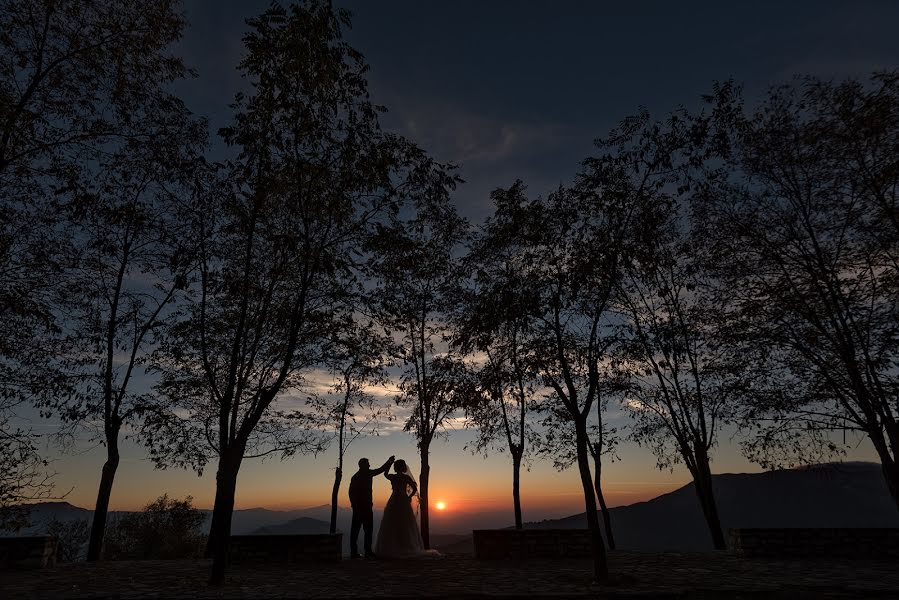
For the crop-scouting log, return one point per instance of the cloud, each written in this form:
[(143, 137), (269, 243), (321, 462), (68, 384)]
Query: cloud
[(464, 137)]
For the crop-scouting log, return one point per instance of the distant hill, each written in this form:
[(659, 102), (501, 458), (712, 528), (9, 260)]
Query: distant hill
[(832, 495), (302, 525), (249, 521), (42, 513), (244, 521), (313, 520)]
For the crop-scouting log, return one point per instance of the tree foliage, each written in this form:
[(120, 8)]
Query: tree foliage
[(565, 247), (84, 99), (71, 538), (283, 242), (804, 204), (685, 380), (24, 475), (167, 528), (419, 277), (491, 327), (358, 357)]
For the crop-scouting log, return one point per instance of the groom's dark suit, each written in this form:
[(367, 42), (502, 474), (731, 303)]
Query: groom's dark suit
[(360, 500)]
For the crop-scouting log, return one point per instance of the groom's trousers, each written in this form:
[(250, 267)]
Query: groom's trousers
[(363, 516)]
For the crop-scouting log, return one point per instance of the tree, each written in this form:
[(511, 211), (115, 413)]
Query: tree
[(685, 378), (30, 341), (556, 441), (23, 475), (567, 245), (443, 385), (358, 358), (281, 245), (492, 327), (167, 528), (77, 79), (67, 71), (71, 538), (500, 414), (803, 207), (419, 279), (134, 259), (681, 396)]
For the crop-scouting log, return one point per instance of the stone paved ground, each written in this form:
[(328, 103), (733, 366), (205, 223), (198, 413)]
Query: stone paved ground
[(639, 575)]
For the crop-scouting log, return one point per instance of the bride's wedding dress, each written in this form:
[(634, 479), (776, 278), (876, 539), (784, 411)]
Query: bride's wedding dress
[(399, 536)]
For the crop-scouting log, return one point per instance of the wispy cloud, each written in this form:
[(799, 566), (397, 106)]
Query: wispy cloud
[(455, 134)]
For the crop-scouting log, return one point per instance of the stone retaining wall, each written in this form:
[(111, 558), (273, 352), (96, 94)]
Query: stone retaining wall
[(813, 543), (285, 548), (35, 552), (531, 543)]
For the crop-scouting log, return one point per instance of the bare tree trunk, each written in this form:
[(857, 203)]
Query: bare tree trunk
[(101, 509), (423, 492), (702, 481), (888, 463), (338, 474), (600, 564), (890, 470), (222, 511), (606, 517), (516, 488)]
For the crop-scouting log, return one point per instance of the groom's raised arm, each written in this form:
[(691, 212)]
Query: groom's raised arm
[(383, 468)]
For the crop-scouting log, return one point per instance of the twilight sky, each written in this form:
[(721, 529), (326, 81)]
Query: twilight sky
[(513, 90)]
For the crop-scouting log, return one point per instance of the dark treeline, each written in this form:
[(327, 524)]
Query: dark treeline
[(717, 269)]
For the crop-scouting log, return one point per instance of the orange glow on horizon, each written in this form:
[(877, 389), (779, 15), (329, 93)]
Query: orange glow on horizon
[(567, 501), (563, 501)]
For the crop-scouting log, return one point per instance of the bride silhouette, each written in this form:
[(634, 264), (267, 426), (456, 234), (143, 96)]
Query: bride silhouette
[(399, 536)]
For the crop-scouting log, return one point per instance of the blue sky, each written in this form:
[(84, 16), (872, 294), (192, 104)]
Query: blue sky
[(515, 90)]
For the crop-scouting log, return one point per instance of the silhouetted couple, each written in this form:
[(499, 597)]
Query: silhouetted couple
[(399, 536)]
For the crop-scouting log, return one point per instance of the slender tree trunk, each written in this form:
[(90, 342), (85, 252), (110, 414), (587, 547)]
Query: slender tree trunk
[(338, 474), (890, 470), (210, 540), (516, 488), (606, 517), (222, 511), (600, 564), (423, 492), (101, 509), (889, 466), (702, 481)]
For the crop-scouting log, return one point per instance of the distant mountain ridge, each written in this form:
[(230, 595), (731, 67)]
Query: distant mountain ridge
[(302, 525), (831, 495), (245, 521)]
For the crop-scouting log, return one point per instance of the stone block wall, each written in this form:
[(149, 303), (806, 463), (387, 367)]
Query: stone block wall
[(873, 543), (531, 543), (35, 552), (285, 548)]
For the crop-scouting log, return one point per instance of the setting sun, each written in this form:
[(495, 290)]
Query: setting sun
[(441, 505)]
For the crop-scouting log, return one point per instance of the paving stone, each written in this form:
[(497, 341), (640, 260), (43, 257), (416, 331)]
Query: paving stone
[(637, 575)]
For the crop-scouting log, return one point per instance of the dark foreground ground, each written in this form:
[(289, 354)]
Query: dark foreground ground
[(639, 575)]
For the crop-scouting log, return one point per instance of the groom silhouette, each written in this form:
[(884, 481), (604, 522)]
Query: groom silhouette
[(360, 500)]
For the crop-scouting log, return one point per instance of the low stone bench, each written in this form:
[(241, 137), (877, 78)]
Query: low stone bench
[(531, 543), (285, 548), (867, 543), (34, 552)]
